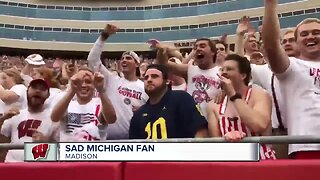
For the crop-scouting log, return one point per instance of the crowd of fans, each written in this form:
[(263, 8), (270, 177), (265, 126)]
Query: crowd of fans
[(270, 85)]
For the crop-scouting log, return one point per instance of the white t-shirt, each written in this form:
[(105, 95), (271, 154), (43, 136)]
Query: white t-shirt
[(17, 128), (261, 75), (203, 85), (300, 89), (54, 94), (3, 107), (81, 122), (21, 103), (125, 95), (182, 87)]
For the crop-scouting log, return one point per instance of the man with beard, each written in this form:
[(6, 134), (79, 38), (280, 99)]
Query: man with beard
[(84, 117), (167, 114), (126, 94), (202, 81), (299, 78), (32, 124)]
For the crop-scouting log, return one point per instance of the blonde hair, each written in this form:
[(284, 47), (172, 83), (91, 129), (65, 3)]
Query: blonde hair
[(305, 21), (288, 32)]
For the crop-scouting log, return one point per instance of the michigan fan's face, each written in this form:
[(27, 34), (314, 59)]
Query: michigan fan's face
[(153, 81)]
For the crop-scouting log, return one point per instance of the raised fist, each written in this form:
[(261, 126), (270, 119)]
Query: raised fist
[(111, 29), (234, 136)]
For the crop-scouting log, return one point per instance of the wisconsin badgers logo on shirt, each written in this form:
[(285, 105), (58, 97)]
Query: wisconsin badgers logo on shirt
[(201, 79), (315, 72), (40, 151), (24, 127), (130, 93), (203, 84)]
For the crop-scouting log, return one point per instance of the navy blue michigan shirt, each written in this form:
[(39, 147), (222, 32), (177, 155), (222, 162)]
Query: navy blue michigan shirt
[(175, 116)]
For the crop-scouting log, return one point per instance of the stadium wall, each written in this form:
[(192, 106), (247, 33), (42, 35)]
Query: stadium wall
[(132, 40)]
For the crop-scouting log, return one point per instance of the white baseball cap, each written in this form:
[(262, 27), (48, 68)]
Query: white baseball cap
[(35, 59), (132, 54)]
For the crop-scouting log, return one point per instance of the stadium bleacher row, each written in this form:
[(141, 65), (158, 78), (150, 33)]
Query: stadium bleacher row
[(172, 33), (42, 26), (118, 15), (26, 21)]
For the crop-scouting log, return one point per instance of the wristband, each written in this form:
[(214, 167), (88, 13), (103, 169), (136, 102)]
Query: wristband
[(104, 34)]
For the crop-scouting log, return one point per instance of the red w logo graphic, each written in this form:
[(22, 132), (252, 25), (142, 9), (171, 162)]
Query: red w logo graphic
[(24, 126), (40, 151)]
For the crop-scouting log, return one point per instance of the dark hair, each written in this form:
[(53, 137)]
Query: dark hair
[(160, 67), (83, 68), (243, 65), (138, 74), (223, 43), (212, 47)]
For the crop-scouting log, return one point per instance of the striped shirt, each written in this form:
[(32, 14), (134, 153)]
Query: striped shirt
[(229, 124)]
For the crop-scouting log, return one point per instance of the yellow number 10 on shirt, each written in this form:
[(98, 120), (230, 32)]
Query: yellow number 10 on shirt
[(163, 129)]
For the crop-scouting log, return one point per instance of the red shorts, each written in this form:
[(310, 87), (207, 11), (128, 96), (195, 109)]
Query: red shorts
[(305, 155)]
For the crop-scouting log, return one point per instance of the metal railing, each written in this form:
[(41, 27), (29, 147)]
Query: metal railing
[(257, 139)]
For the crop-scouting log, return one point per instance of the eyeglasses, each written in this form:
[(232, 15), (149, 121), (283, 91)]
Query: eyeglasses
[(289, 40), (220, 49)]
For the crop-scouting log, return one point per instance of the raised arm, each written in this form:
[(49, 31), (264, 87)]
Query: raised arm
[(178, 69), (278, 60), (241, 30), (12, 95), (26, 73), (258, 117), (8, 96), (60, 109), (94, 60), (107, 110)]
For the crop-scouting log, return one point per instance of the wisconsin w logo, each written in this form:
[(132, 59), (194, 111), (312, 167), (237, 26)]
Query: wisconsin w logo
[(24, 126), (40, 151)]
